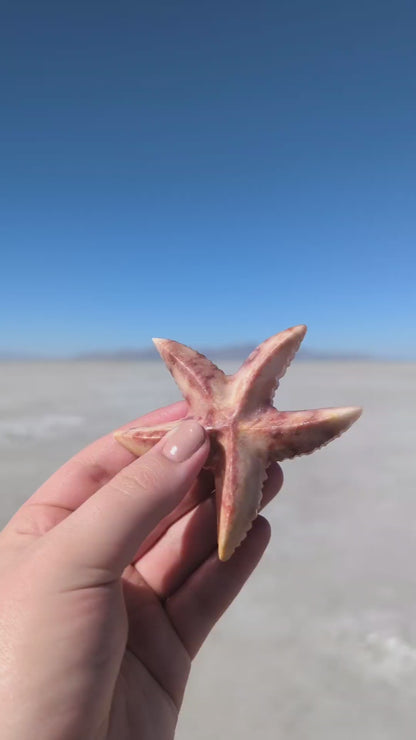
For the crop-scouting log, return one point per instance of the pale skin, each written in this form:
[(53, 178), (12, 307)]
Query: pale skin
[(109, 584)]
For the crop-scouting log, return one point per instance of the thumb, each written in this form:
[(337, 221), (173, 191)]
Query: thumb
[(105, 532)]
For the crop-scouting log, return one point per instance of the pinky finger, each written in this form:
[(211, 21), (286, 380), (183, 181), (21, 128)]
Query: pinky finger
[(198, 604)]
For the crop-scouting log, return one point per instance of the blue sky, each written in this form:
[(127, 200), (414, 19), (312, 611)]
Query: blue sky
[(211, 172)]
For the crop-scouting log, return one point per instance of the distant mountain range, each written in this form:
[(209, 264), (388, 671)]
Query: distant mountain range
[(235, 352)]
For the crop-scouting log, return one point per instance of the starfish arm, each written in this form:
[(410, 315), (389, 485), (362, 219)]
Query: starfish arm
[(255, 383), (139, 440), (199, 380), (290, 433), (239, 483)]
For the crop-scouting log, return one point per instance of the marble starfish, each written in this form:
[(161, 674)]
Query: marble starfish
[(246, 432)]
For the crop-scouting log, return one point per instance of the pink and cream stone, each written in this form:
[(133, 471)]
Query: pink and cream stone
[(246, 432)]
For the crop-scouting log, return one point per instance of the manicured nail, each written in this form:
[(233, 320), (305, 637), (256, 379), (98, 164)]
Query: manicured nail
[(183, 441)]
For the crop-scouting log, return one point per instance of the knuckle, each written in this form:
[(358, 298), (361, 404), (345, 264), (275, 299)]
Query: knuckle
[(146, 478)]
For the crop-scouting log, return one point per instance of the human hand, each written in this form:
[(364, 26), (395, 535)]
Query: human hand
[(109, 585)]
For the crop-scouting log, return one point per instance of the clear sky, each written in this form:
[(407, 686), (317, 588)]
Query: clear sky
[(211, 172)]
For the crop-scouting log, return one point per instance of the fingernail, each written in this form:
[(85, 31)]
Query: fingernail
[(183, 441)]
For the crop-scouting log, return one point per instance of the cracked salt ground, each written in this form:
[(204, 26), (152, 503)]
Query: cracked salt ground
[(45, 426), (391, 658), (371, 645)]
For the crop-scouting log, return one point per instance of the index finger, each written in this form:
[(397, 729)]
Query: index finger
[(95, 465)]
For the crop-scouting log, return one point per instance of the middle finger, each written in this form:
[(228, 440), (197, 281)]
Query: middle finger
[(190, 539)]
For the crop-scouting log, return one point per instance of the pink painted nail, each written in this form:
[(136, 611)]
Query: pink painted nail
[(183, 441)]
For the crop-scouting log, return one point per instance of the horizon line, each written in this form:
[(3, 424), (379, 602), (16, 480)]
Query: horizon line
[(225, 352)]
